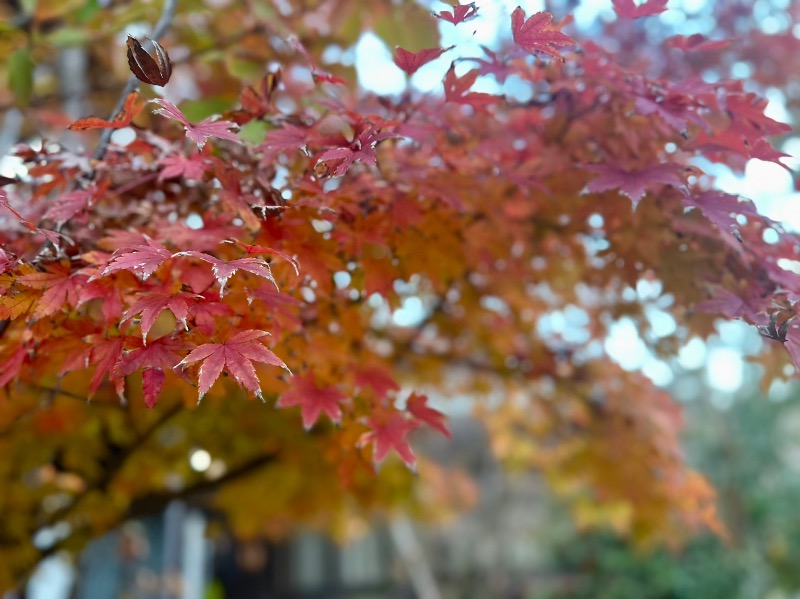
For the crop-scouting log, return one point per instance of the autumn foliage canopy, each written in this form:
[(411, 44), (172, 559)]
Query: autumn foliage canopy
[(345, 258)]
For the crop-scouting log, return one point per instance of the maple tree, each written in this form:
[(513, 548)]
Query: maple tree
[(268, 251)]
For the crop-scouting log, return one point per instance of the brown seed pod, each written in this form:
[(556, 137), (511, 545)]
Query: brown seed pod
[(155, 71)]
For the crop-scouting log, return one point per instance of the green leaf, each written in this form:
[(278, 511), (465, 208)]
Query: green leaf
[(253, 132), (20, 76)]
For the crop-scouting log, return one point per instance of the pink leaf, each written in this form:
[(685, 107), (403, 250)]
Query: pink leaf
[(313, 400), (417, 404), (236, 356), (633, 184), (538, 34), (68, 205), (225, 270), (627, 9), (150, 305), (460, 13), (142, 258), (200, 132), (389, 433), (152, 383), (410, 62)]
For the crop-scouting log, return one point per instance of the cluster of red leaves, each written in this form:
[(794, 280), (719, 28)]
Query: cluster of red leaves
[(174, 256)]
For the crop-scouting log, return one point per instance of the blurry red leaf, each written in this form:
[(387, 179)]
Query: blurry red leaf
[(388, 432), (417, 404), (627, 9), (313, 400), (410, 62)]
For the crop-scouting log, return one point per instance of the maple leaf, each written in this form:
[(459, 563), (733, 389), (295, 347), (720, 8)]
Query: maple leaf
[(286, 138), (161, 353), (225, 270), (200, 132), (152, 383), (150, 305), (123, 119), (633, 184), (11, 364), (417, 404), (538, 34), (627, 9), (410, 62), (313, 400), (61, 285), (720, 208), (236, 356), (456, 89), (361, 149), (696, 43), (51, 236), (178, 165), (495, 65), (153, 360), (142, 258), (104, 353), (388, 432), (378, 379), (260, 249), (731, 304), (69, 204), (460, 13)]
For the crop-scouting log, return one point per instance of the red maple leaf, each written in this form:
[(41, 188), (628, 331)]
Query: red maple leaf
[(236, 355), (633, 184), (538, 34), (178, 165), (388, 432), (361, 149), (377, 378), (417, 404), (721, 208), (104, 353), (142, 258), (313, 400), (123, 119), (732, 305), (69, 204), (628, 10), (153, 360), (152, 383), (11, 364), (410, 62), (260, 249), (696, 43), (200, 132), (280, 140), (161, 353), (62, 288), (150, 305), (456, 89), (225, 270), (460, 13)]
